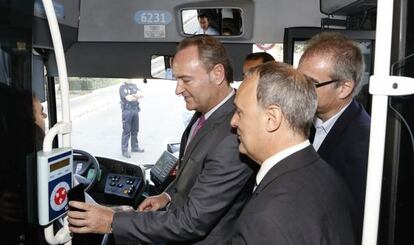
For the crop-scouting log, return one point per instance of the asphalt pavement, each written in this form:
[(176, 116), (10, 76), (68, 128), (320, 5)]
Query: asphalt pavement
[(97, 125)]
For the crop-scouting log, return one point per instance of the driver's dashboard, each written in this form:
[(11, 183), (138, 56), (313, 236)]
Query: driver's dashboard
[(118, 182)]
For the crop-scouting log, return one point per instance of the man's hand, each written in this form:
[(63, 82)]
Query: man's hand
[(130, 97), (92, 218), (154, 203), (138, 95)]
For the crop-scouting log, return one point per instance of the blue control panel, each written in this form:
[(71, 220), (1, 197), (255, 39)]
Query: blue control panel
[(122, 185)]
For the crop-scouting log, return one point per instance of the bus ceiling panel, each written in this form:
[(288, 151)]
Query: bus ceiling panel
[(67, 11), (42, 38), (129, 60), (162, 21), (150, 21), (117, 60), (347, 7), (273, 16)]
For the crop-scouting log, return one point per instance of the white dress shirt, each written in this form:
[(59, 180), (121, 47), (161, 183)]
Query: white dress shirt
[(210, 31), (322, 128)]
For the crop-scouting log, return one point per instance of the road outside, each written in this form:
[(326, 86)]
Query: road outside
[(97, 126)]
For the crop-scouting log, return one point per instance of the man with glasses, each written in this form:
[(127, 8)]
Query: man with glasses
[(341, 126)]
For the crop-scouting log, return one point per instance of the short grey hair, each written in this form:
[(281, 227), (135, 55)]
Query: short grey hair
[(280, 84), (345, 55)]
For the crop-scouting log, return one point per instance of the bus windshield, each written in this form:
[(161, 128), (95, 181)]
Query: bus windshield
[(97, 116)]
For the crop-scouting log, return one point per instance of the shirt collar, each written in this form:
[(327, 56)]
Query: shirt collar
[(273, 160), (328, 124), (208, 114)]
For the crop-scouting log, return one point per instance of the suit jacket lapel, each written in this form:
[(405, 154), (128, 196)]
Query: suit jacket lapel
[(186, 134), (340, 125), (215, 119), (293, 162)]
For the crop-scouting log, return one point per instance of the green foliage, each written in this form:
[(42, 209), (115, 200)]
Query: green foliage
[(88, 84)]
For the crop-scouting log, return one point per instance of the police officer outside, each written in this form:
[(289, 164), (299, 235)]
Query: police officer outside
[(130, 94)]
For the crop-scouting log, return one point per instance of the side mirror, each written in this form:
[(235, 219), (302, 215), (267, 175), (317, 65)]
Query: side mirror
[(161, 67)]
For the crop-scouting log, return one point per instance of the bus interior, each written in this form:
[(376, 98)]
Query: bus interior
[(107, 42)]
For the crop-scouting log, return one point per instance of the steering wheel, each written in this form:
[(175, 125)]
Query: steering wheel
[(82, 163)]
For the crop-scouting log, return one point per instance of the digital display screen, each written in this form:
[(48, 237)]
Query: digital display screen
[(58, 165), (164, 165)]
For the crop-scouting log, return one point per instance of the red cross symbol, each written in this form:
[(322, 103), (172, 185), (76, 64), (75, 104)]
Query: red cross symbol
[(60, 196)]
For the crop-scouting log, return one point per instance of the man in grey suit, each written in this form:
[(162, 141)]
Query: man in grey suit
[(212, 182), (299, 198)]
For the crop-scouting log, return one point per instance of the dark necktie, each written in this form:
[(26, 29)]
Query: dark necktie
[(200, 124)]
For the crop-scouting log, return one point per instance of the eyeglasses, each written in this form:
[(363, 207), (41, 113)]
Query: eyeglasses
[(321, 84)]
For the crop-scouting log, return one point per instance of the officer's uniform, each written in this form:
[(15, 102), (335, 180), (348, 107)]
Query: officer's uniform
[(130, 118)]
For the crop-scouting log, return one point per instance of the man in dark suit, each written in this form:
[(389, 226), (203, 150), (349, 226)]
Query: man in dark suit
[(212, 182), (341, 126), (298, 198)]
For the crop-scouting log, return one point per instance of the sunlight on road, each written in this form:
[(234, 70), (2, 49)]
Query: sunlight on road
[(97, 125)]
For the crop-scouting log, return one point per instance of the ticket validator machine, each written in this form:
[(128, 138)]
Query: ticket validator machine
[(54, 170)]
